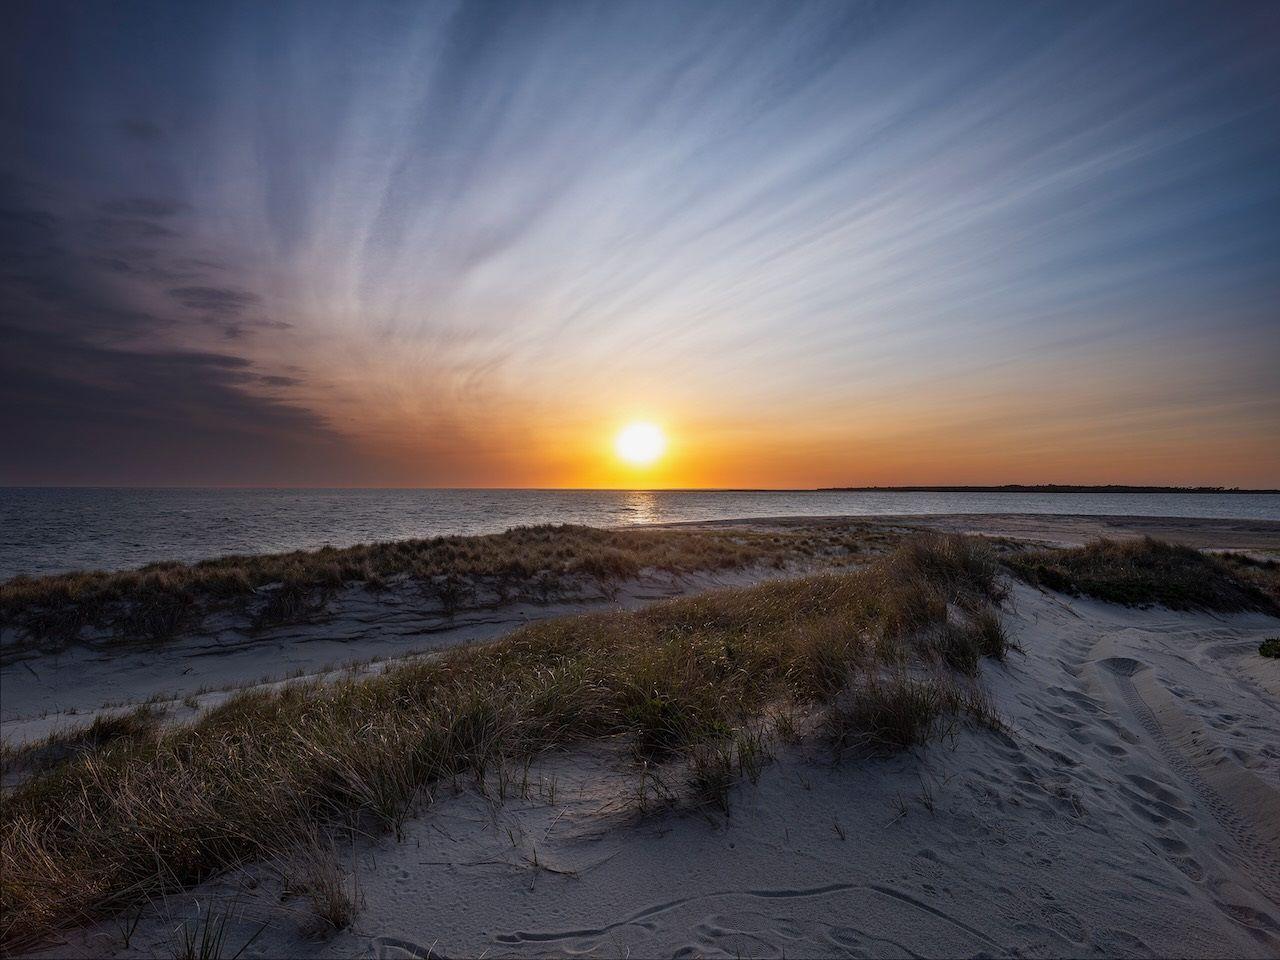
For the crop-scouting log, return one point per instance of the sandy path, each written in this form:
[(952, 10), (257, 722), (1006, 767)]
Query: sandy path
[(40, 693)]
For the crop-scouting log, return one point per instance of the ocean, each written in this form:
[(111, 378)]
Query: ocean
[(53, 530)]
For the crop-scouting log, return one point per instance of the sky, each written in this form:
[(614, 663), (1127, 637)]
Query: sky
[(439, 244)]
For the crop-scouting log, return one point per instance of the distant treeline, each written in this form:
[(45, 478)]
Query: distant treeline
[(1048, 488)]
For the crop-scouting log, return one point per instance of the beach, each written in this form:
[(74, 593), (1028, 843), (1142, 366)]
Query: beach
[(1123, 805), (630, 480)]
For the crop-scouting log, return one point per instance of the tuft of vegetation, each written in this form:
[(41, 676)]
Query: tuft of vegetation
[(137, 725), (206, 938), (887, 712), (1146, 572), (715, 766), (1270, 647), (255, 777), (1261, 573), (315, 872), (529, 563)]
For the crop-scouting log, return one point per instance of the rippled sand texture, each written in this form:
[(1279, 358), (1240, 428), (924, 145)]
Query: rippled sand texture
[(1131, 810)]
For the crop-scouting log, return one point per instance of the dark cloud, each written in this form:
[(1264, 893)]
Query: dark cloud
[(81, 412), (28, 222), (116, 230), (142, 207), (146, 265), (218, 301), (82, 395), (142, 130)]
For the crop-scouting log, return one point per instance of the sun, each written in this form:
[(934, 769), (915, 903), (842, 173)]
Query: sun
[(640, 443)]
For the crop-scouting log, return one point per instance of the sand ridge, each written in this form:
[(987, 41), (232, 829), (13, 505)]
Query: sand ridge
[(1129, 811)]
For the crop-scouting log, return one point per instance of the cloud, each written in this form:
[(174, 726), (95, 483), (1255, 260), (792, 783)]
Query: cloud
[(82, 413), (120, 230), (148, 207), (219, 301), (136, 128), (519, 217), (92, 388), (276, 380)]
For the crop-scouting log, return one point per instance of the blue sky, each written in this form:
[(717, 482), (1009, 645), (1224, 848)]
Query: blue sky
[(460, 244)]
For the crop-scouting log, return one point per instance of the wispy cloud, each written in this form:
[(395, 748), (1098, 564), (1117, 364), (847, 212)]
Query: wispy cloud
[(482, 228)]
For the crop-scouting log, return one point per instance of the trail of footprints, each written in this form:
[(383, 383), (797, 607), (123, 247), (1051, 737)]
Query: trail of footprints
[(1260, 861)]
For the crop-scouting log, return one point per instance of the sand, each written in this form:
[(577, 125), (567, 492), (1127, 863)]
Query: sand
[(40, 693), (358, 632), (1261, 537), (1133, 809)]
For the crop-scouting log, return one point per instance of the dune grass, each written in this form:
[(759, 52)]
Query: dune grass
[(255, 776), (160, 600), (1151, 572), (62, 745)]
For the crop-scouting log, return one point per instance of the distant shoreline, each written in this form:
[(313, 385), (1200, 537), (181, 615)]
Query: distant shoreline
[(1048, 488)]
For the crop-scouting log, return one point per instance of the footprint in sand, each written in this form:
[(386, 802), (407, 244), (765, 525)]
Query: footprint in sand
[(393, 948), (1264, 923), (1178, 854)]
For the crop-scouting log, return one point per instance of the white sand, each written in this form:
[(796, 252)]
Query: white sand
[(41, 693), (1134, 811)]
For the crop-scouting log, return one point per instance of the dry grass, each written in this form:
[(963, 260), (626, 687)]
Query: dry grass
[(207, 937), (532, 563), (315, 872), (137, 725), (884, 712), (1263, 574), (255, 776), (1151, 572)]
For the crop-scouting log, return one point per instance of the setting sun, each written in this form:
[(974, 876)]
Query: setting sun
[(640, 443)]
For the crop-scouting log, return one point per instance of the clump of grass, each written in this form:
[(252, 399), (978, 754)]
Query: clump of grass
[(291, 602), (712, 775), (963, 644), (715, 766), (255, 775), (207, 938), (136, 726), (1270, 647), (990, 636), (314, 872), (887, 712), (1263, 573), (1144, 572), (532, 563)]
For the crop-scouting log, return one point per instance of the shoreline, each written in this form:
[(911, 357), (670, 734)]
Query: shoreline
[(1059, 529), (55, 530), (349, 627), (1117, 749)]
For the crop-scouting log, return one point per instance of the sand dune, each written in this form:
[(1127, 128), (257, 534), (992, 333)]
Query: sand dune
[(1131, 810), (42, 692)]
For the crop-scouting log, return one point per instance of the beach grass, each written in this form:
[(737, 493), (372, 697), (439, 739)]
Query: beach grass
[(1148, 572), (535, 563), (684, 681), (61, 745)]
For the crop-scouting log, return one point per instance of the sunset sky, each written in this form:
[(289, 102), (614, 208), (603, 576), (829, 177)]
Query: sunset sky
[(464, 245)]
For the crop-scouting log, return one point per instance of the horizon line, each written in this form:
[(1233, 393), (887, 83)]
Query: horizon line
[(895, 488)]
